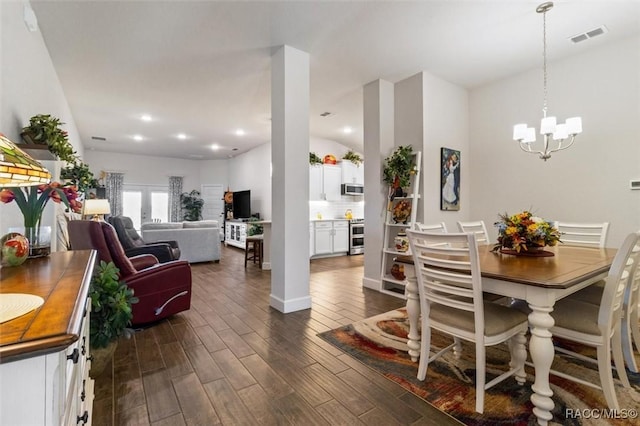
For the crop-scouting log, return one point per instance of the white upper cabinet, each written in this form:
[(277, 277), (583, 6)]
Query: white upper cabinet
[(324, 182), (352, 173)]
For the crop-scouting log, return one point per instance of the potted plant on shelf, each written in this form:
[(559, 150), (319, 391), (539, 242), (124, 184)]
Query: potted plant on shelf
[(192, 205), (44, 129), (111, 314), (78, 174), (353, 157), (398, 169)]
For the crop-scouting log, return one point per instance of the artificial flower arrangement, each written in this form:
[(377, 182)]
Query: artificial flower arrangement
[(33, 199), (523, 232)]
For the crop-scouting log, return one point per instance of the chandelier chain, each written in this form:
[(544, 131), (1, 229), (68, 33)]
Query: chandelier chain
[(544, 62)]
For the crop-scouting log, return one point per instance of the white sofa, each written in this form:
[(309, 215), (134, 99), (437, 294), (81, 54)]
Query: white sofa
[(199, 241)]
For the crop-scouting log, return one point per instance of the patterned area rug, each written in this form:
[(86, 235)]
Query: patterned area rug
[(380, 343)]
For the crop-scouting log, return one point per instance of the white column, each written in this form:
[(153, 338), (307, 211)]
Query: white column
[(378, 142), (290, 181)]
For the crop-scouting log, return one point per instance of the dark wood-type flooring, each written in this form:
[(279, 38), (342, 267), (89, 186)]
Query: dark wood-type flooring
[(233, 360)]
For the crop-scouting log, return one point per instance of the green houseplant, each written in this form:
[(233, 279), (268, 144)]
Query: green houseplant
[(192, 205), (111, 314), (78, 174), (44, 129), (314, 159), (353, 157), (399, 167)]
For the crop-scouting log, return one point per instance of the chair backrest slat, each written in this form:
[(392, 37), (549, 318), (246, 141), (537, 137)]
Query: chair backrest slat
[(583, 234), (616, 283), (448, 271), (476, 227), (442, 227)]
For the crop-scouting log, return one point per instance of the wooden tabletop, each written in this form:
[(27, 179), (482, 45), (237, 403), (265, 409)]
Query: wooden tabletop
[(569, 265), (62, 280)]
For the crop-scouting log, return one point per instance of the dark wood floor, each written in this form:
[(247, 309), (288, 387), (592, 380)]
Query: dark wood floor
[(232, 360)]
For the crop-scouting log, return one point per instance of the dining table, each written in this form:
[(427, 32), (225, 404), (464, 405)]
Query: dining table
[(540, 280)]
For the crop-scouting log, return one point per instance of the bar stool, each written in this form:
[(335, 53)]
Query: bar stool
[(253, 249)]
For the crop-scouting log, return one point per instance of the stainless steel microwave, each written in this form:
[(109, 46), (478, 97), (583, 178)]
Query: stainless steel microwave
[(352, 189)]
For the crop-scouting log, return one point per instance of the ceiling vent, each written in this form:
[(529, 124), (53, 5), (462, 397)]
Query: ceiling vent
[(588, 34), (98, 138), (327, 114)]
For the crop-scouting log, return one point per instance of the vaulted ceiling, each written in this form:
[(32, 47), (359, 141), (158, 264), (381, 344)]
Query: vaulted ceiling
[(202, 68)]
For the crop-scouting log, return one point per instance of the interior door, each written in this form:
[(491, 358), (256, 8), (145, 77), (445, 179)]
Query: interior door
[(212, 194), (145, 203)]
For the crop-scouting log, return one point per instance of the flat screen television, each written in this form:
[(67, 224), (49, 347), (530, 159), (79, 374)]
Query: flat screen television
[(242, 204)]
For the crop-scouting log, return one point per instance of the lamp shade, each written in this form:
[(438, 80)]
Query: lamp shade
[(96, 207), (17, 168)]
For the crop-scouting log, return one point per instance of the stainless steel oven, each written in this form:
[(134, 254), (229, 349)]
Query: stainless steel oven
[(356, 236)]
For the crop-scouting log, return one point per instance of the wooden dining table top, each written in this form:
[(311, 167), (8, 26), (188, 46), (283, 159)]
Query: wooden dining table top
[(568, 266)]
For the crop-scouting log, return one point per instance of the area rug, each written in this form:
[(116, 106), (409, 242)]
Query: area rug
[(380, 343)]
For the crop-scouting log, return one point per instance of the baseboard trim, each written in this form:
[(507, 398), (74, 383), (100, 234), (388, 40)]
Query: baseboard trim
[(266, 266), (371, 283), (291, 305)]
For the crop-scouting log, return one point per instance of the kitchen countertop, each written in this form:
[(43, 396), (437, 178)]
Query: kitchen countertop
[(327, 220)]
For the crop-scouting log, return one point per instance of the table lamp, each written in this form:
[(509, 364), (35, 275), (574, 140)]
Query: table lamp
[(17, 168), (96, 207)]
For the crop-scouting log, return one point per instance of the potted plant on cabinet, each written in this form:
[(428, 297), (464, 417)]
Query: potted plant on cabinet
[(192, 205), (314, 159), (353, 157), (111, 314), (44, 129)]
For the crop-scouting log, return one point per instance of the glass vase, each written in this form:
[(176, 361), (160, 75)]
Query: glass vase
[(39, 238)]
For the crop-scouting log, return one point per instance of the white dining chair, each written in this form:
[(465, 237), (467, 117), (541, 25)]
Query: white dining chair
[(630, 329), (476, 227), (450, 292), (583, 234), (598, 325), (434, 227)]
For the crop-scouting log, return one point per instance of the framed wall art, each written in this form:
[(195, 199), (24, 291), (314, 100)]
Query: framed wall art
[(449, 179)]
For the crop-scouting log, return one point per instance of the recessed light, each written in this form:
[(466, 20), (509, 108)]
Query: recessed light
[(240, 132), (137, 138), (145, 117), (347, 130), (182, 136), (215, 147)]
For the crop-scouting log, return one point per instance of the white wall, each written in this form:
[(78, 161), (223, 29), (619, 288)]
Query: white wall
[(589, 181), (145, 169), (29, 85), (431, 113), (251, 171), (446, 125)]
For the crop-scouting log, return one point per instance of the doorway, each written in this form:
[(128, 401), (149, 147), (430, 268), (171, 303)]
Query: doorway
[(145, 203)]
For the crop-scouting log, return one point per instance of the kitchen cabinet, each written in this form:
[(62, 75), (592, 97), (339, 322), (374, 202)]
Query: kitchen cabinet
[(324, 182), (235, 234), (331, 237), (44, 354), (352, 173)]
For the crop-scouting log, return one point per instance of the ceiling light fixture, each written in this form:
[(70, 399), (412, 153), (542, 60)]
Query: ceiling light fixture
[(526, 136), (240, 132), (347, 130), (182, 136), (215, 147), (137, 138), (145, 117)]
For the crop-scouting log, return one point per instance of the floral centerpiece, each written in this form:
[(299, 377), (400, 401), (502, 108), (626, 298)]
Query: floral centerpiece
[(523, 232), (32, 200)]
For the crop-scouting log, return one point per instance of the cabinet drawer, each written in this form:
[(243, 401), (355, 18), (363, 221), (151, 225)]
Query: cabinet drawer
[(341, 224), (324, 225)]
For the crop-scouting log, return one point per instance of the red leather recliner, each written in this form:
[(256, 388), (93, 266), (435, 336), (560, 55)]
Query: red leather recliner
[(163, 289)]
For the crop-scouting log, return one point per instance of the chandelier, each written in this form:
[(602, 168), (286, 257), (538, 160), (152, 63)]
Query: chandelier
[(554, 135)]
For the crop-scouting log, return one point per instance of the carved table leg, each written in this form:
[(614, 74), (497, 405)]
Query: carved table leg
[(542, 353), (413, 312)]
